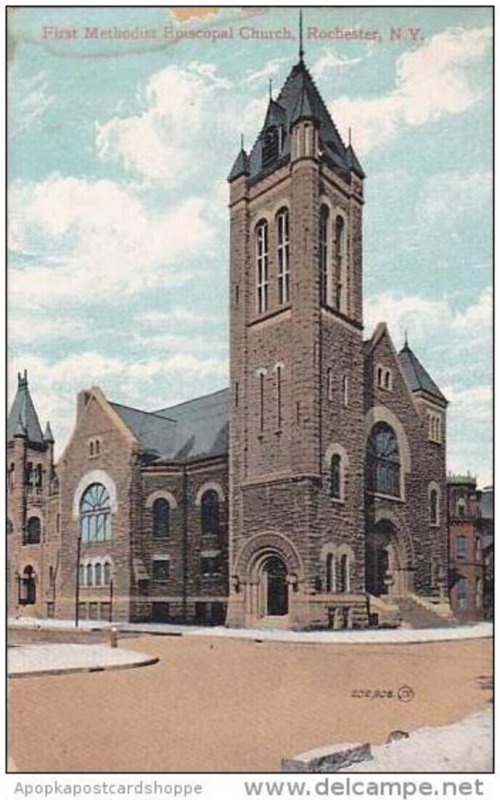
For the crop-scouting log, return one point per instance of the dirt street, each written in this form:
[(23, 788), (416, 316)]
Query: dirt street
[(238, 706)]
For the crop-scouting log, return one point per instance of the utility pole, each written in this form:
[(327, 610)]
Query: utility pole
[(77, 584)]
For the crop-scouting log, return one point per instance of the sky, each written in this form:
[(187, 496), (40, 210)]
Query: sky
[(119, 150)]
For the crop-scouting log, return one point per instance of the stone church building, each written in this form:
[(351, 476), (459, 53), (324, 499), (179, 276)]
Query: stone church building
[(310, 493)]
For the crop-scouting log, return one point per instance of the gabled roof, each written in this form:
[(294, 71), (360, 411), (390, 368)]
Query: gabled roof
[(154, 433), (300, 99), (418, 377), (202, 425), (194, 429), (23, 419)]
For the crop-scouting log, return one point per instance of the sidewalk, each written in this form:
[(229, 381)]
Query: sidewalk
[(388, 636), (56, 659)]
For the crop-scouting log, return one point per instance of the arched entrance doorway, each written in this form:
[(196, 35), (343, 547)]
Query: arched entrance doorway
[(275, 575), (385, 561)]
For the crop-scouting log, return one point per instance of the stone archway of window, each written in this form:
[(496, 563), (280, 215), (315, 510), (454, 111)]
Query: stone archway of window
[(207, 487), (94, 476), (382, 414), (161, 494)]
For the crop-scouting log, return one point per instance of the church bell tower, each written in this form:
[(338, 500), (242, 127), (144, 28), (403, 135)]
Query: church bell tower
[(296, 443)]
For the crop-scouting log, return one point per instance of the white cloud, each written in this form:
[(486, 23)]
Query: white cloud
[(24, 329), (95, 238), (430, 81), (426, 318), (171, 319), (161, 143), (269, 70), (30, 99), (332, 61)]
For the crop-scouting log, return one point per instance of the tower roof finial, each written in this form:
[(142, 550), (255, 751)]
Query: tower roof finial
[(270, 88), (406, 337), (301, 37), (350, 136), (242, 141)]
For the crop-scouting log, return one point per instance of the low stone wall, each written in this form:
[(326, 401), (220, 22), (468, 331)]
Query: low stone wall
[(328, 759)]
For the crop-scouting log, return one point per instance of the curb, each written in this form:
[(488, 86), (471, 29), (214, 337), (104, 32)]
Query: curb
[(72, 670)]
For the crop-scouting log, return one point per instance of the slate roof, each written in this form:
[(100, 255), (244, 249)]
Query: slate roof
[(300, 99), (194, 429), (23, 419), (418, 377)]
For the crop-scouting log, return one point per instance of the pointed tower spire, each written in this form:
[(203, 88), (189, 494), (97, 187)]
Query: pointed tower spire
[(48, 435), (23, 419), (301, 37)]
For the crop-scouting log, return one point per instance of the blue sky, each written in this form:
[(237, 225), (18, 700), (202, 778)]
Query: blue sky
[(118, 155)]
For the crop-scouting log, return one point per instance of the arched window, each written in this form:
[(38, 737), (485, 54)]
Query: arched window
[(161, 517), (33, 531), (98, 574), (383, 461), (330, 572), (95, 514), (52, 577), (10, 527), (433, 507), (81, 575), (336, 477), (339, 261), (210, 513), (344, 576), (262, 257), (271, 145), (282, 222), (90, 575), (107, 573), (461, 505), (323, 255), (27, 587)]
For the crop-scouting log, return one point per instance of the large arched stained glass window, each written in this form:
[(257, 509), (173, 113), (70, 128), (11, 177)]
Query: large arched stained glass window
[(383, 461), (95, 514)]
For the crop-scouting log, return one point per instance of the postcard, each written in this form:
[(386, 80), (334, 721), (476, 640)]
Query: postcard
[(249, 436)]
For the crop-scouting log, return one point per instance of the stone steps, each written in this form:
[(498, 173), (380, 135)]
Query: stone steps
[(415, 616)]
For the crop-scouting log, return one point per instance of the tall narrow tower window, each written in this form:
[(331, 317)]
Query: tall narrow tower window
[(323, 255), (339, 286), (261, 401), (282, 221), (278, 396), (262, 252)]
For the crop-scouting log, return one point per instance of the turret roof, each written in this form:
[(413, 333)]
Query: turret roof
[(300, 99), (417, 376), (23, 416)]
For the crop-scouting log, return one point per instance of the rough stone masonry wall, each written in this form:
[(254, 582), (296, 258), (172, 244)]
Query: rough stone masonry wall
[(23, 502), (427, 464), (185, 544)]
